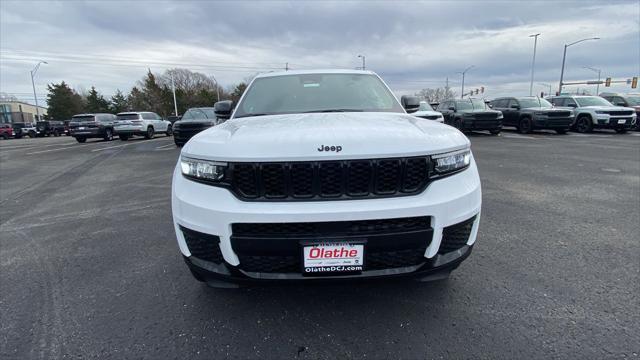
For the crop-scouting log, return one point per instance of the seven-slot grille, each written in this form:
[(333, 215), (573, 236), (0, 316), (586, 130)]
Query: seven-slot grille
[(344, 179), (621, 113), (559, 113), (485, 116)]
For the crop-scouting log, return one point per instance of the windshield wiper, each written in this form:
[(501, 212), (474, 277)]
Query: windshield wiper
[(333, 110), (250, 114)]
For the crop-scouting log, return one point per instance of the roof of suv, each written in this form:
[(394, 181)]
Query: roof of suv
[(318, 71)]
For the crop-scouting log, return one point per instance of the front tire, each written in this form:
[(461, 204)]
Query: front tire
[(5, 136), (123, 137), (169, 131), (56, 133), (149, 134), (584, 125), (81, 139), (178, 143), (495, 131), (32, 134), (525, 126), (108, 135)]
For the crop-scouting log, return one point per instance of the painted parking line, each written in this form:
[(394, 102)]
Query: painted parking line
[(58, 149), (164, 146), (127, 144), (31, 146), (514, 136)]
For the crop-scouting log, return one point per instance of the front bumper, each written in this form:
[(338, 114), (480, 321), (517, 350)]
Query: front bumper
[(183, 135), (615, 122), (213, 211)]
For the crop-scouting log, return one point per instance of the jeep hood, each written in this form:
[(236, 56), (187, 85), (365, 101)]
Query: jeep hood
[(299, 136)]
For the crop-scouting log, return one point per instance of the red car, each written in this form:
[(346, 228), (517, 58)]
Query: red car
[(6, 131)]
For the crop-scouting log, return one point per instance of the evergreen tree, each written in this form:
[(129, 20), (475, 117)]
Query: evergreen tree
[(95, 102), (63, 102), (119, 102)]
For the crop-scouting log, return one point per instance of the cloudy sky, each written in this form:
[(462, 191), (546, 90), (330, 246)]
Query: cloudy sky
[(412, 45)]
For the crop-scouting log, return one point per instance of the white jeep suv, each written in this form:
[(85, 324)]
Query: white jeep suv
[(322, 175), (594, 112), (143, 123), (425, 111)]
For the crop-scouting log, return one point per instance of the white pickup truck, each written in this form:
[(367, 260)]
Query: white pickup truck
[(144, 123)]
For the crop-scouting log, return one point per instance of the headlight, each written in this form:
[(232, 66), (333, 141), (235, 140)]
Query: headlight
[(451, 162), (601, 112), (539, 113), (500, 116), (202, 169)]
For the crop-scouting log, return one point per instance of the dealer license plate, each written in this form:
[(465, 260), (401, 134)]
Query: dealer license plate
[(333, 257), (622, 121), (81, 128)]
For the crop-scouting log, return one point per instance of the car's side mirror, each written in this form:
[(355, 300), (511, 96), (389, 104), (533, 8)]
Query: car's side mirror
[(223, 109), (572, 105), (452, 108), (410, 103), (517, 107), (620, 104)]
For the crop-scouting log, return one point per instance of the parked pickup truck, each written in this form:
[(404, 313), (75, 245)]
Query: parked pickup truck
[(6, 131), (24, 129), (84, 126), (142, 123)]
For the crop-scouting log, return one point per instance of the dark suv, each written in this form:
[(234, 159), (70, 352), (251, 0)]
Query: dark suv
[(628, 100), (84, 126), (193, 121), (48, 128), (471, 114), (532, 113)]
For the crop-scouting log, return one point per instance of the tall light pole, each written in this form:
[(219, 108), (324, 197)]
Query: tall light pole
[(218, 88), (547, 85), (599, 71), (33, 73), (564, 57), (463, 73), (533, 63), (173, 89), (362, 56)]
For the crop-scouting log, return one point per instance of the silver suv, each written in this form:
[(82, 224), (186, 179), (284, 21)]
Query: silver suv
[(594, 112), (141, 124)]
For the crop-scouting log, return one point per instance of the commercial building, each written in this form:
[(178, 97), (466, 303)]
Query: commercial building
[(18, 111)]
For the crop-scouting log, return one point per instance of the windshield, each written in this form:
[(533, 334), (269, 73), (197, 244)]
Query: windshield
[(83, 118), (288, 94), (633, 100), (592, 101), (471, 104), (534, 103), (128, 117), (425, 107)]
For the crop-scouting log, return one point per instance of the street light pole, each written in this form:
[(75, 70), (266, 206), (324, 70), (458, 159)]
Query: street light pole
[(33, 84), (564, 56), (363, 63), (463, 73), (599, 72), (533, 63), (218, 88), (173, 89)]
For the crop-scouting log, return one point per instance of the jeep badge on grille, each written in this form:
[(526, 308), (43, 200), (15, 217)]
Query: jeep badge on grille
[(336, 148)]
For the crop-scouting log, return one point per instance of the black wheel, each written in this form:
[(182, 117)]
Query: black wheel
[(178, 143), (621, 131), (149, 134), (81, 139), (584, 125), (18, 136), (561, 131), (123, 137), (32, 134), (457, 123), (169, 131), (108, 135), (495, 131), (56, 133), (525, 126)]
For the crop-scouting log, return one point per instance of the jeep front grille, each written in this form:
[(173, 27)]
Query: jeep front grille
[(344, 179)]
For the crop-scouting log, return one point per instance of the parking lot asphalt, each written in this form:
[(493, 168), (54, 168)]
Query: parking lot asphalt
[(89, 264)]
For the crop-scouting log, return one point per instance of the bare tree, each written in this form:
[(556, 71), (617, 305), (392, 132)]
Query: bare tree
[(436, 95)]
